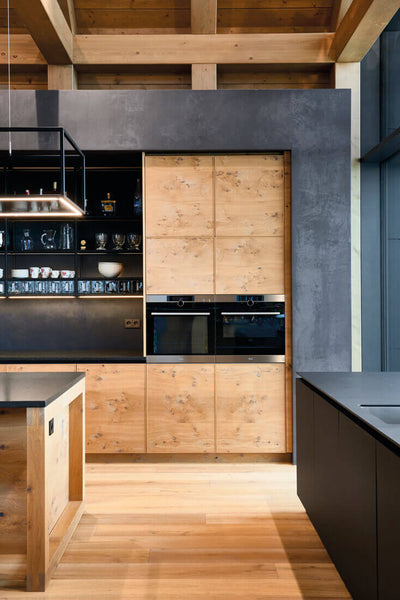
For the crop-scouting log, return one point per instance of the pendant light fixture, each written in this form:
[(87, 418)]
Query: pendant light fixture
[(54, 202)]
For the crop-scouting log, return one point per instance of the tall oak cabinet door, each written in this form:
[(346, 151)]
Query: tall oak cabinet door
[(115, 407), (180, 265), (249, 224), (41, 368), (250, 407), (180, 408), (179, 196)]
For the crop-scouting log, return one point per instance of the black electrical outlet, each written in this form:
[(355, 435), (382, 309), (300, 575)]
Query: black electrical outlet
[(51, 426)]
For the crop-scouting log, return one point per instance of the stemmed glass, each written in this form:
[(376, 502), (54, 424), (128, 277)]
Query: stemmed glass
[(119, 241), (134, 240)]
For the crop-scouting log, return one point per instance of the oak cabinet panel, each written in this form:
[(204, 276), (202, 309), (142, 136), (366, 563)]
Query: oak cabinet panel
[(115, 407), (179, 196), (249, 195), (249, 265), (45, 368), (250, 408), (180, 266), (180, 408)]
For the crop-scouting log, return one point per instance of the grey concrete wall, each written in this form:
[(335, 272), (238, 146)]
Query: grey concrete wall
[(313, 124)]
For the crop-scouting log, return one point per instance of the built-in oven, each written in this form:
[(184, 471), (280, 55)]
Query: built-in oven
[(180, 328), (250, 328)]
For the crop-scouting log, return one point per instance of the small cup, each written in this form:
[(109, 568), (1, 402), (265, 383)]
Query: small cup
[(54, 274), (45, 272), (65, 274), (34, 272), (71, 274), (1, 273)]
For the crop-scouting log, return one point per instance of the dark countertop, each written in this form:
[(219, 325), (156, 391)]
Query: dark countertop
[(34, 389), (350, 390), (72, 356)]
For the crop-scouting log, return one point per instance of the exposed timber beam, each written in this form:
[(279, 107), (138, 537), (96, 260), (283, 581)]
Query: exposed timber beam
[(203, 16), (61, 77), (68, 8), (202, 49), (23, 51), (360, 28), (47, 25), (204, 21)]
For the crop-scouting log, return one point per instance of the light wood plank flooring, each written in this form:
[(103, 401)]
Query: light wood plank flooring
[(190, 531)]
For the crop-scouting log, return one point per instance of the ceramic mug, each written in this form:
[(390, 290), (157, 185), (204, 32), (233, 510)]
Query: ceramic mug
[(1, 273), (54, 274), (65, 274), (34, 272), (45, 272)]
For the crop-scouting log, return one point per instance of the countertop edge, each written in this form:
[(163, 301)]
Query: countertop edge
[(76, 377), (372, 427)]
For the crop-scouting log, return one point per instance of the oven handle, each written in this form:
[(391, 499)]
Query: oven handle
[(250, 313), (180, 314)]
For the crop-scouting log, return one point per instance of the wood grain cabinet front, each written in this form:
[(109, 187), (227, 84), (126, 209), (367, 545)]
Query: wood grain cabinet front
[(180, 408), (250, 408), (180, 265), (249, 195), (38, 368), (115, 407), (179, 196)]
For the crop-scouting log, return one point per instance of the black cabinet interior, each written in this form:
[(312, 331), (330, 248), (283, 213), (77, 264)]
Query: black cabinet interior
[(77, 323)]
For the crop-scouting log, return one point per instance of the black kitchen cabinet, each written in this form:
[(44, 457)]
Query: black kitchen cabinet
[(388, 524), (326, 499), (355, 518), (305, 446)]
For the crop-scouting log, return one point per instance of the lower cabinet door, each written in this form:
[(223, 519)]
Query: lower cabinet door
[(388, 509), (305, 446), (180, 408), (38, 368), (115, 407), (250, 407)]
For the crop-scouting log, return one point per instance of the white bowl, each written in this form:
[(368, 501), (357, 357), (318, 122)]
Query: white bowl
[(20, 273), (109, 269)]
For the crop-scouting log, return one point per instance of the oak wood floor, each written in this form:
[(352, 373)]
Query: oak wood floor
[(190, 531)]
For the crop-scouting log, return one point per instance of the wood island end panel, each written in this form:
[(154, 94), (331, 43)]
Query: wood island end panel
[(115, 407), (250, 407), (180, 408)]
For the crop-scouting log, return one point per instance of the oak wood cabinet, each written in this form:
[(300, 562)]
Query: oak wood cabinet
[(180, 408), (216, 224), (180, 265), (115, 407), (250, 407), (249, 195), (249, 265), (37, 368), (179, 196)]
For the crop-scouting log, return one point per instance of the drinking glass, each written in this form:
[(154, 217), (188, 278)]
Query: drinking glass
[(119, 240), (101, 240), (134, 240)]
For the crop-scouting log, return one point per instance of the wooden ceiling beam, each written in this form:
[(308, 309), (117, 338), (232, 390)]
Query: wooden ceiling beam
[(361, 26), (68, 8), (47, 25), (289, 48), (203, 16), (23, 51)]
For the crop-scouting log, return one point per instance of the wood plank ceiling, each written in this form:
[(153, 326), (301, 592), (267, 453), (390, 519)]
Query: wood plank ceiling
[(230, 44)]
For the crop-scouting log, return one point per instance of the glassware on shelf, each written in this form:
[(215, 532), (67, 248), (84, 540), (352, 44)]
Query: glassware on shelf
[(2, 238), (67, 236), (26, 241), (137, 199), (134, 240), (48, 239), (118, 240), (101, 240)]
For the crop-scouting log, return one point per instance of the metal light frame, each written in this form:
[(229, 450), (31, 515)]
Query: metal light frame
[(69, 207)]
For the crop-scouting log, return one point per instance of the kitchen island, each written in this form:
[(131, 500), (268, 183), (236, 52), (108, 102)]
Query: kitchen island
[(348, 474), (41, 469)]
